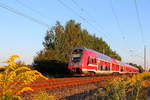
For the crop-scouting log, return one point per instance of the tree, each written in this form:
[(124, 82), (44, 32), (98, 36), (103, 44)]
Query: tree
[(49, 39), (60, 40)]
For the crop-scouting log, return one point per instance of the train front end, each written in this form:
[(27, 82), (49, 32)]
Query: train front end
[(75, 61)]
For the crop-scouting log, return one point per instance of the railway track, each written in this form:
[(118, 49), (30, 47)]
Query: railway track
[(64, 87), (65, 82)]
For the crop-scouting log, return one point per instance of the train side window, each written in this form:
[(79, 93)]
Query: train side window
[(108, 66), (103, 67), (99, 65), (121, 69), (95, 60), (92, 60)]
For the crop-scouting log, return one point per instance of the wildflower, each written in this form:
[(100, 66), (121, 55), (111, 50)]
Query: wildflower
[(118, 88), (14, 78)]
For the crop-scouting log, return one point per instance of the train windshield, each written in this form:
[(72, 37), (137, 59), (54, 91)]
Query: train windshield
[(76, 57)]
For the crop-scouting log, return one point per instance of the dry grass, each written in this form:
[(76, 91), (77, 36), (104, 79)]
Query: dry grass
[(127, 88)]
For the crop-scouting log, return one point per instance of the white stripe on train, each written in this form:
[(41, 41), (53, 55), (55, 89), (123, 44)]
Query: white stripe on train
[(104, 72)]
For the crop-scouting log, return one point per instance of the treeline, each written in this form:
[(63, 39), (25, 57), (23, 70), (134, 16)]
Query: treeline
[(60, 40)]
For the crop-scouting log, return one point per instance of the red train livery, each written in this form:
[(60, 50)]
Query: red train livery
[(87, 61)]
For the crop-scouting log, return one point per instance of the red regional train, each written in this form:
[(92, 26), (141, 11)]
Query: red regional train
[(87, 61)]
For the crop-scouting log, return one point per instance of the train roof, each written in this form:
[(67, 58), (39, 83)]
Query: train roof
[(99, 55), (131, 66), (102, 56)]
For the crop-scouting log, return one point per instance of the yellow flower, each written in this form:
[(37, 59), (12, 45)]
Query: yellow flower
[(15, 77), (121, 86)]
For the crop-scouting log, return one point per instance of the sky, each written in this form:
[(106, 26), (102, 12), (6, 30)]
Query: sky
[(118, 22)]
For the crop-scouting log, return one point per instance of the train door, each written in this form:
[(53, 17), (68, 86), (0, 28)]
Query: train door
[(99, 66), (113, 67), (102, 66), (105, 66), (92, 63), (121, 69), (117, 67), (108, 66)]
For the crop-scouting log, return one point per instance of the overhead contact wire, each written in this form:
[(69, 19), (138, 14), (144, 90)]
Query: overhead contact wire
[(139, 21), (15, 11), (83, 18)]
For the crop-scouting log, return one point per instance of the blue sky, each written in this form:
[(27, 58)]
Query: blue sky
[(24, 37)]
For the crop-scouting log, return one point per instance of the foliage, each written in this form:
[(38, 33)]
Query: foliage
[(42, 95), (126, 88), (64, 39), (50, 68), (60, 40), (14, 78)]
